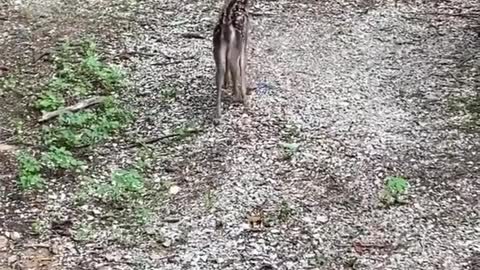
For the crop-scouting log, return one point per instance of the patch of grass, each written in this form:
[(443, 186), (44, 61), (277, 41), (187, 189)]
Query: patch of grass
[(209, 200), (9, 83), (83, 232), (285, 212), (38, 227), (125, 185), (80, 72), (468, 107), (49, 101), (146, 159), (86, 128), (289, 150), (169, 93), (143, 215), (29, 170), (395, 190), (290, 131), (59, 157)]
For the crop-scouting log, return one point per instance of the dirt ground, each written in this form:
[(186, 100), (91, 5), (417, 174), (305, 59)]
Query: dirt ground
[(365, 88)]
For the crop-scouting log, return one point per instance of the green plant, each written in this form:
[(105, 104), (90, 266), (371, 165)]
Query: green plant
[(124, 185), (395, 190), (290, 131), (289, 149), (38, 227), (80, 71), (86, 128), (127, 181), (169, 93), (146, 158), (49, 101), (83, 232), (59, 157), (209, 200), (29, 170), (143, 215), (285, 212), (8, 83)]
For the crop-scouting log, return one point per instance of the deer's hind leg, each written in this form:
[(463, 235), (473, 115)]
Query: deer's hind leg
[(219, 54), (233, 62)]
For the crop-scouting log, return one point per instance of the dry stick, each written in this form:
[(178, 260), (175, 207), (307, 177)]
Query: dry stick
[(156, 139), (174, 62), (167, 63), (260, 14), (192, 35), (76, 107)]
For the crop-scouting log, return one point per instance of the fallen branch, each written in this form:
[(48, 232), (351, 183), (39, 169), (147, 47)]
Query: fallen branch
[(7, 147), (192, 35), (260, 14), (73, 108), (465, 15), (156, 139), (41, 56), (165, 63)]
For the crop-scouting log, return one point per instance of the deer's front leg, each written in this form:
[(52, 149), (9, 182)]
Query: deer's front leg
[(226, 80), (243, 76)]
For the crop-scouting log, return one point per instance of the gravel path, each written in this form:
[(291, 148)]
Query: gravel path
[(364, 92), (363, 88)]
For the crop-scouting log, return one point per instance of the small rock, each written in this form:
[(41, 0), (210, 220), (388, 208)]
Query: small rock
[(3, 242), (244, 226), (12, 259), (167, 243), (275, 231), (172, 219), (307, 220), (150, 230), (290, 265), (322, 219), (113, 257), (174, 190), (6, 147), (15, 235), (309, 255)]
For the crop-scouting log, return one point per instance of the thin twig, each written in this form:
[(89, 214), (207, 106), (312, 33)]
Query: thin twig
[(156, 139), (167, 63), (192, 35), (174, 62), (261, 14)]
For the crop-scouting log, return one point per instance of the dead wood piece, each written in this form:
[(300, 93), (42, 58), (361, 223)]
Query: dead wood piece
[(7, 147), (156, 139), (262, 14), (166, 63), (192, 35), (73, 108), (41, 56)]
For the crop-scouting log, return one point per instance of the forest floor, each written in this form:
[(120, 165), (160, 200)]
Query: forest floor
[(345, 96)]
